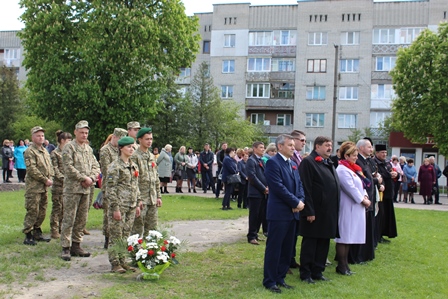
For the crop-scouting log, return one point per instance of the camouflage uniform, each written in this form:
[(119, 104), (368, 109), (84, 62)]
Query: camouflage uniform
[(123, 195), (56, 191), (38, 171), (108, 154), (79, 163), (149, 185)]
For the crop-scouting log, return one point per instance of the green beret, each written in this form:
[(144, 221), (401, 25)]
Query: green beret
[(143, 131), (125, 141)]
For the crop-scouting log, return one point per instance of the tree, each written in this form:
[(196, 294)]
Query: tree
[(10, 102), (358, 134), (23, 125), (103, 61), (420, 80)]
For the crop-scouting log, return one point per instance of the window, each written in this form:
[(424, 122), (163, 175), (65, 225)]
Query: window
[(346, 121), (206, 47), (350, 38), (378, 118), (348, 93), (384, 36), (314, 120), (283, 90), (226, 91), (229, 40), (283, 119), (385, 63), (382, 91), (258, 64), (185, 72), (182, 91), (228, 66), (317, 66), (12, 54), (262, 38), (258, 90), (283, 65), (257, 118), (285, 37), (408, 35), (349, 65), (315, 92), (317, 38)]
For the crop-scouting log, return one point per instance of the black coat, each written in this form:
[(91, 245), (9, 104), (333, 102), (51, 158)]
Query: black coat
[(257, 181), (384, 168), (322, 195), (6, 154)]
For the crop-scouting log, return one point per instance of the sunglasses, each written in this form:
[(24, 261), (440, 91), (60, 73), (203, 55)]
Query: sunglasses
[(303, 139)]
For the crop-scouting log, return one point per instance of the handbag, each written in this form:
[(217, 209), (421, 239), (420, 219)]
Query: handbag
[(234, 179), (177, 174), (412, 187)]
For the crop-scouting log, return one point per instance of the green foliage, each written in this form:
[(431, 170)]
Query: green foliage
[(10, 102), (23, 125), (358, 134), (420, 79), (103, 61)]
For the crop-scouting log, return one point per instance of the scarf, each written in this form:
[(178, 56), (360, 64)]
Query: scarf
[(357, 169)]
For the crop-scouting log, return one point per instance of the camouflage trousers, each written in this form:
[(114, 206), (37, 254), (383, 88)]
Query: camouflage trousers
[(76, 209), (105, 216), (36, 209), (119, 229), (57, 210), (147, 220), (92, 193)]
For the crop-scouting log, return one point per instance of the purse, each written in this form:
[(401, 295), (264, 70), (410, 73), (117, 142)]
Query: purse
[(412, 187), (177, 174), (234, 179)]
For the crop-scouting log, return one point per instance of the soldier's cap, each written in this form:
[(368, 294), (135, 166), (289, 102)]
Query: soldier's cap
[(125, 141), (143, 131), (133, 125), (119, 132), (36, 129), (82, 124)]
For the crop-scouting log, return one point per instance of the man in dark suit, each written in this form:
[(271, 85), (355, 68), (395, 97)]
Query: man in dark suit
[(319, 219), (286, 199), (206, 159), (256, 192)]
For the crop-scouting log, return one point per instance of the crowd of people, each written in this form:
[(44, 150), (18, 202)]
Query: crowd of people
[(349, 197)]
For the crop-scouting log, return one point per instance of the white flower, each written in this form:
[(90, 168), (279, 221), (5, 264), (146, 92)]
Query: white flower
[(152, 245), (174, 240), (142, 253), (162, 256), (154, 234), (133, 240)]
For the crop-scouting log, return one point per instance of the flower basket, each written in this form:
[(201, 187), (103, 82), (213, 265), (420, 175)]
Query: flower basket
[(153, 273)]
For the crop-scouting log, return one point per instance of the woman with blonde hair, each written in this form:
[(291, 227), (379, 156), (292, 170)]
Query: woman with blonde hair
[(181, 160), (164, 165), (7, 156)]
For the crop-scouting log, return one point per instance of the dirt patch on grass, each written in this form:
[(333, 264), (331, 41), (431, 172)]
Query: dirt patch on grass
[(84, 278)]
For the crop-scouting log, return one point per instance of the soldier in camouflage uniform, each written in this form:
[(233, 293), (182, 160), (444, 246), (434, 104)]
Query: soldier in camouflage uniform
[(124, 201), (133, 127), (81, 170), (108, 154), (57, 189), (92, 193), (39, 177), (148, 183)]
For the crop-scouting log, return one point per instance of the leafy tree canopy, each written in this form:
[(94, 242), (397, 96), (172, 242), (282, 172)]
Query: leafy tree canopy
[(420, 79), (10, 102), (103, 61)]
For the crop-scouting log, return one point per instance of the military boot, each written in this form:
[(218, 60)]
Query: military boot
[(125, 266), (39, 237), (76, 250), (66, 254), (86, 232), (116, 268), (106, 242), (29, 239), (55, 234)]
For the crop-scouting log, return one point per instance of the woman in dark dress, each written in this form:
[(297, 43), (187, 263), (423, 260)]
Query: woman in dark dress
[(229, 167), (7, 156), (427, 179)]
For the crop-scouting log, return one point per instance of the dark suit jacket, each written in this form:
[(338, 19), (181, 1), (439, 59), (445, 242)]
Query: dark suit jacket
[(243, 171), (322, 194), (384, 168), (367, 171), (229, 167), (285, 189), (257, 180)]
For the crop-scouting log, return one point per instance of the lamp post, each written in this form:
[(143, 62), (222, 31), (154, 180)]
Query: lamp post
[(335, 90)]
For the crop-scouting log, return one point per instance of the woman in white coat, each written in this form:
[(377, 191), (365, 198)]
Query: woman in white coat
[(354, 201)]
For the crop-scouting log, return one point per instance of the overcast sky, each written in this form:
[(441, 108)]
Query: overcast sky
[(10, 9)]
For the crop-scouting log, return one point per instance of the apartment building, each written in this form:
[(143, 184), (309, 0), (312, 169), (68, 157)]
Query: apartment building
[(11, 53), (321, 66)]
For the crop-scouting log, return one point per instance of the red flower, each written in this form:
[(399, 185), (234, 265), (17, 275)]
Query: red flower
[(151, 252), (163, 248), (153, 164), (318, 159), (136, 173), (140, 241), (261, 164), (130, 248), (165, 242), (294, 167), (173, 255)]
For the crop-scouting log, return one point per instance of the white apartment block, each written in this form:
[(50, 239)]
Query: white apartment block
[(289, 64), (11, 53)]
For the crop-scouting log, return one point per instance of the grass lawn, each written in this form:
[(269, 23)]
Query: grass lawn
[(414, 265)]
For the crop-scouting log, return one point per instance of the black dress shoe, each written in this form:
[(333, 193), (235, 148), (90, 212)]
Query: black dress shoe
[(308, 280), (284, 285), (294, 265), (322, 278), (274, 289), (345, 272), (385, 241)]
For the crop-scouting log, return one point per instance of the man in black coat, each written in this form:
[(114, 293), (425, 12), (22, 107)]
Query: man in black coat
[(256, 193), (219, 159), (385, 220), (319, 218), (206, 159)]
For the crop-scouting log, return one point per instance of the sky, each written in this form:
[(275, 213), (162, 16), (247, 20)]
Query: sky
[(10, 10)]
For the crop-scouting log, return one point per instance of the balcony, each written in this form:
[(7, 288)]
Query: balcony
[(271, 104), (270, 76), (277, 51), (387, 48), (182, 80), (383, 104), (278, 129)]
